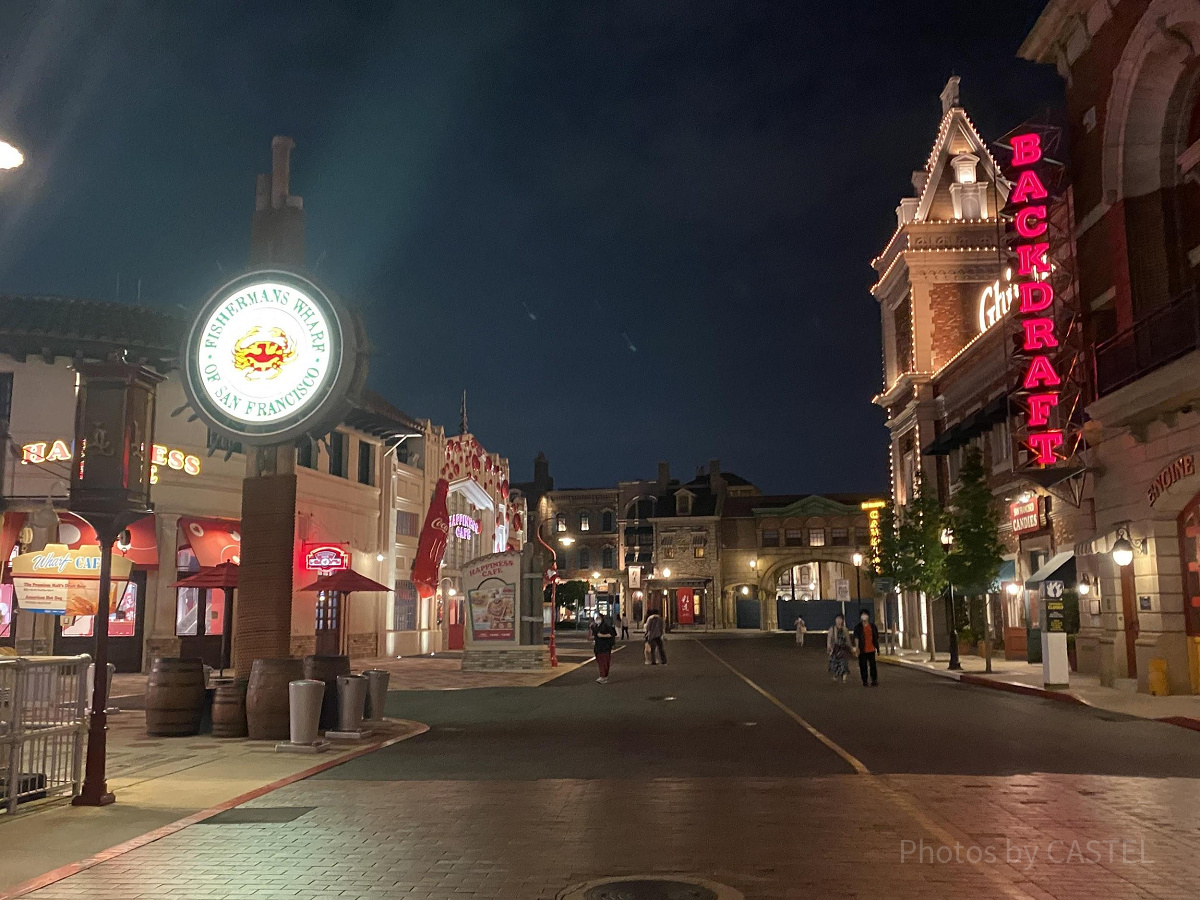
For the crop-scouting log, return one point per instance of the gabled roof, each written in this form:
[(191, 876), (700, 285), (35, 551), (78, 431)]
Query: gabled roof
[(797, 505), (956, 128)]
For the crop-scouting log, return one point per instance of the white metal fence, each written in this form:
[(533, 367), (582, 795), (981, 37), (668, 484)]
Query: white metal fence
[(43, 726)]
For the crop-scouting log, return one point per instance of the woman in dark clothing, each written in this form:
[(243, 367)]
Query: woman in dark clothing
[(604, 636)]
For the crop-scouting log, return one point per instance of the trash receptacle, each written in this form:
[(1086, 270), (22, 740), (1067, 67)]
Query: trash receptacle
[(352, 697), (304, 708), (1159, 684), (377, 685)]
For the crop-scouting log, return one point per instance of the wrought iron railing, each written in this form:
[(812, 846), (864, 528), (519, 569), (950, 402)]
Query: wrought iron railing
[(1161, 336)]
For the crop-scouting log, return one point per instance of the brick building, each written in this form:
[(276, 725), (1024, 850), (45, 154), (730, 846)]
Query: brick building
[(1132, 75)]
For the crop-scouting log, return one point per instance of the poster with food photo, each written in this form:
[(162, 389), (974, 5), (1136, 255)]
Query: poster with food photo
[(491, 585)]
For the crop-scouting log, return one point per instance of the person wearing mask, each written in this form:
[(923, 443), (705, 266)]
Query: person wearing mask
[(654, 639), (604, 636), (866, 642), (837, 642)]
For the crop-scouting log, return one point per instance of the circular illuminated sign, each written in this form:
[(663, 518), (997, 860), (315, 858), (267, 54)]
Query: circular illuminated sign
[(270, 357)]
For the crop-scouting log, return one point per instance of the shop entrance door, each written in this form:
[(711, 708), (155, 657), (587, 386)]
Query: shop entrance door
[(455, 632), (200, 624), (77, 634), (329, 623), (1132, 627)]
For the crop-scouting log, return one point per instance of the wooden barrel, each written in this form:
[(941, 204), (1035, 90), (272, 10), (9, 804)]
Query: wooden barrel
[(327, 669), (267, 698), (174, 697), (229, 708)]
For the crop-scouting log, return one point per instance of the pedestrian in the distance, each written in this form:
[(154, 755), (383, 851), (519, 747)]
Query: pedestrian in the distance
[(866, 642), (604, 636), (801, 630), (654, 639), (837, 642), (624, 627)]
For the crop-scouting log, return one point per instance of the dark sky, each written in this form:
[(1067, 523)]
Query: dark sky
[(631, 231)]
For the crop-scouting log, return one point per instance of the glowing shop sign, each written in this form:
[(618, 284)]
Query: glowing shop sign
[(874, 510), (1041, 381), (270, 357), (1025, 516), (464, 526), (997, 298), (40, 452), (326, 558), (62, 581)]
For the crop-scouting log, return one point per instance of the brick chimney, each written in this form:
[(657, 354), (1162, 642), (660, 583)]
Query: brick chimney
[(277, 226)]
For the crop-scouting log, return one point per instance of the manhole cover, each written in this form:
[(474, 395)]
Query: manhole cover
[(261, 815), (650, 887)]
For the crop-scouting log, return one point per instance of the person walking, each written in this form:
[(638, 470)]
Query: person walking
[(604, 636), (866, 643), (837, 642), (624, 627), (654, 639), (801, 630)]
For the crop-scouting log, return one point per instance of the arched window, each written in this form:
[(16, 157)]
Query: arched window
[(585, 520), (585, 558), (608, 521), (609, 557)]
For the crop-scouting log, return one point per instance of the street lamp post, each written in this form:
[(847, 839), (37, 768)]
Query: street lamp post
[(551, 576), (955, 665)]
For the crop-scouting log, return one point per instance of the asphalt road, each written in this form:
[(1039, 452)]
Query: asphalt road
[(695, 715)]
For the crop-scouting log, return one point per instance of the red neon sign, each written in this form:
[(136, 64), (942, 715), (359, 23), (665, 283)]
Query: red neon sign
[(1037, 297), (326, 558)]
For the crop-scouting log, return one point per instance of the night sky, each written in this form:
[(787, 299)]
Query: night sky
[(631, 231)]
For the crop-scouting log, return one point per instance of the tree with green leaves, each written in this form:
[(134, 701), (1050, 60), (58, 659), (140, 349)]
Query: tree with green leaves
[(569, 594), (976, 556)]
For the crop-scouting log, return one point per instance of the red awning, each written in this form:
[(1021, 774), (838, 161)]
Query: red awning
[(214, 541), (223, 576), (75, 532), (345, 581)]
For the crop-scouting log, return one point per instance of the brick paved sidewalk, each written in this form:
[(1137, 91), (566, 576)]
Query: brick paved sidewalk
[(411, 673), (157, 781), (1086, 689)]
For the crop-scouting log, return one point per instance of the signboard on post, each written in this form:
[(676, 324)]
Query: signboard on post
[(842, 588), (492, 588)]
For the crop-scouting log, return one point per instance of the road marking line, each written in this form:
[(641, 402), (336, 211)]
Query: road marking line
[(903, 801), (853, 761)]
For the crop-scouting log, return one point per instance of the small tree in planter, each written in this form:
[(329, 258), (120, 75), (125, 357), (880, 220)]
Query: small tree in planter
[(975, 557)]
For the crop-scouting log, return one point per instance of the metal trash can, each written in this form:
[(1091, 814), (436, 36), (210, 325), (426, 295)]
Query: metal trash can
[(377, 685), (304, 709), (352, 698), (91, 684)]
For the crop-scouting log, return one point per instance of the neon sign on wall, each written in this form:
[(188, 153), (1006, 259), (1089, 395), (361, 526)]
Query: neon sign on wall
[(464, 526), (996, 300), (1041, 382)]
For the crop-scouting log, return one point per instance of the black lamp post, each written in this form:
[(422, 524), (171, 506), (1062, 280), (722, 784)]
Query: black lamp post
[(955, 665), (110, 488)]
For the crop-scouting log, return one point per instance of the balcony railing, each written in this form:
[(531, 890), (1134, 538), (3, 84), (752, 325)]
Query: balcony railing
[(1161, 336)]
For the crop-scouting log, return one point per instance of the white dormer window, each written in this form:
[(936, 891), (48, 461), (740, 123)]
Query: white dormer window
[(683, 503), (964, 168)]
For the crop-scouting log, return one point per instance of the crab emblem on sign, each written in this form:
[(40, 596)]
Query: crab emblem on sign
[(261, 358)]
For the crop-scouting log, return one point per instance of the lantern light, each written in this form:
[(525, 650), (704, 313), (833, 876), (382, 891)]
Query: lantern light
[(1012, 589)]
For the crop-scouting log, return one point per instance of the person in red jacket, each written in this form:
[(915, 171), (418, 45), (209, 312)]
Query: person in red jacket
[(866, 643)]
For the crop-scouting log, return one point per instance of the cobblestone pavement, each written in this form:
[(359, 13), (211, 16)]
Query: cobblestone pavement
[(740, 763)]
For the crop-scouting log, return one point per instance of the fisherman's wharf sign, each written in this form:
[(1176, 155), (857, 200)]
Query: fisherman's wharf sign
[(270, 357)]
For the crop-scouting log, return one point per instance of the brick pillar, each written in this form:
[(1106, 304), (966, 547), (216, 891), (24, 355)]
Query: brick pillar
[(263, 614)]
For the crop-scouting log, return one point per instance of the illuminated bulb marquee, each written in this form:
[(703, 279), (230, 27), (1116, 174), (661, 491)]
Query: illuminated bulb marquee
[(1041, 383), (59, 450)]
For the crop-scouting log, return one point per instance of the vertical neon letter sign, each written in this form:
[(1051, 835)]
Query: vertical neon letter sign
[(1037, 299)]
